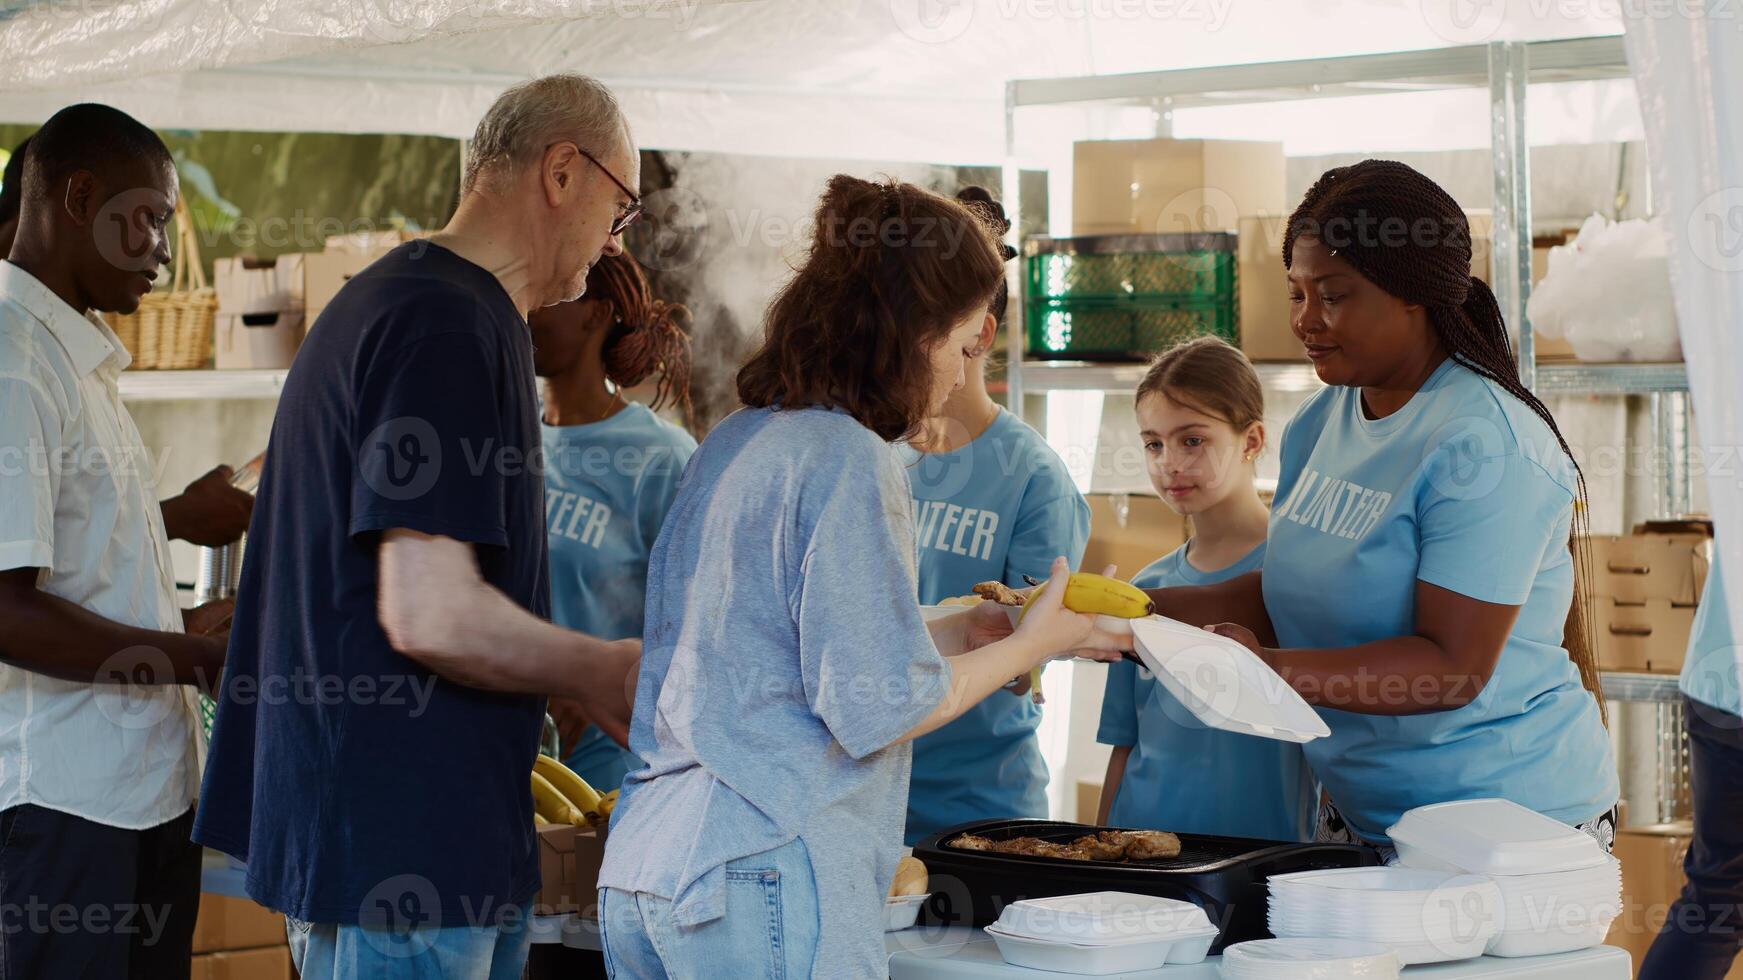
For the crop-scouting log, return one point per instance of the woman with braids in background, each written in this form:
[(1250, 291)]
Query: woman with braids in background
[(1419, 578), (611, 467)]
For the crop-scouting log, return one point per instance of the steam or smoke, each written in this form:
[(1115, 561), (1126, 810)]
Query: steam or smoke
[(723, 233)]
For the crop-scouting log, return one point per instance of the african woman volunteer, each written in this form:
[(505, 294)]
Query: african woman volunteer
[(991, 502), (785, 664), (611, 465), (1419, 574)]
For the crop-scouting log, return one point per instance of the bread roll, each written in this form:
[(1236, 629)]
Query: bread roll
[(911, 878)]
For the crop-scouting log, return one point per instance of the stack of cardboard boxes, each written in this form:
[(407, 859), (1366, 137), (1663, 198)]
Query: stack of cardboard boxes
[(266, 305), (1645, 587), (235, 939), (1652, 878), (1167, 186)]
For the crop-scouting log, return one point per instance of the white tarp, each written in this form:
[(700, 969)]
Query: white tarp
[(1689, 70), (869, 79)]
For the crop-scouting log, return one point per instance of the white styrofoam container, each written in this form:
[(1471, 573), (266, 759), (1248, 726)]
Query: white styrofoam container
[(1224, 684), (1555, 939), (1310, 959), (902, 911), (1128, 956), (1492, 837), (1102, 917)]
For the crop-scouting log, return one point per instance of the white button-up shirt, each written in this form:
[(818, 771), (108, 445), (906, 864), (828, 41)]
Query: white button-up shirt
[(78, 501)]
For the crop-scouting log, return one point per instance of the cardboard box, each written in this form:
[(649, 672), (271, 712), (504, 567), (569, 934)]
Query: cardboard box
[(273, 963), (1648, 637), (1263, 294), (325, 272), (569, 860), (1634, 568), (1160, 186), (226, 923), (1088, 800), (1130, 530), (1652, 878), (260, 312)]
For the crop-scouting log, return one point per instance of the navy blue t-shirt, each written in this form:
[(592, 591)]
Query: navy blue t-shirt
[(358, 786)]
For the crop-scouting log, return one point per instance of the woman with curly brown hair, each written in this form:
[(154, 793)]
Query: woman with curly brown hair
[(786, 666), (611, 467)]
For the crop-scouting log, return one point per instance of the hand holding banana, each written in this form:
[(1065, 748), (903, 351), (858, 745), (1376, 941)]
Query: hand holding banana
[(1084, 592)]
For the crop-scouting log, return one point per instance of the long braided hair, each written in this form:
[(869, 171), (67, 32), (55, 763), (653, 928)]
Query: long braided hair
[(1405, 234), (648, 336)]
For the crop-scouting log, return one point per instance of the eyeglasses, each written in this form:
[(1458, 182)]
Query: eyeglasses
[(631, 211)]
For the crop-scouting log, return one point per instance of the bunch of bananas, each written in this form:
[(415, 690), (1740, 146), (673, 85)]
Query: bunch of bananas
[(561, 797)]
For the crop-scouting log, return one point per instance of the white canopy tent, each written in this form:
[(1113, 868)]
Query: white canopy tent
[(863, 79)]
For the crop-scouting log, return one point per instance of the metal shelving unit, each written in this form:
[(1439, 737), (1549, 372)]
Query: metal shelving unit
[(1507, 70), (144, 386)]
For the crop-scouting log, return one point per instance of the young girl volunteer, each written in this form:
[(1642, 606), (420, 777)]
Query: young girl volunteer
[(1418, 575), (1200, 413), (611, 466), (786, 665), (992, 502)]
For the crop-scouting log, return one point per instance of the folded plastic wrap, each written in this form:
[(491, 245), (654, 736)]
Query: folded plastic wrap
[(1608, 293), (1689, 71)]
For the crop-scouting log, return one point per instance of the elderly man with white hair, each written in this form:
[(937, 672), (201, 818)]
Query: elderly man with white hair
[(391, 649)]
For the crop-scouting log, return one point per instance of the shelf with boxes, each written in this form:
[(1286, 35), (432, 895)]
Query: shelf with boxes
[(263, 309)]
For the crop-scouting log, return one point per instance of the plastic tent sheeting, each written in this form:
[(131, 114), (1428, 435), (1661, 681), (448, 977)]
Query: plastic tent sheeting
[(870, 79), (1689, 71)]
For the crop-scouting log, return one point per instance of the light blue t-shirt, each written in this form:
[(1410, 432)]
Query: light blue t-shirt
[(997, 509), (1184, 776), (1466, 489), (607, 487), (1709, 673), (783, 654)]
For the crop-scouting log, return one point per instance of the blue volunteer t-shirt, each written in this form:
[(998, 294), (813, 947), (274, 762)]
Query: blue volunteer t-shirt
[(783, 655), (1188, 778), (607, 487), (997, 509), (358, 786), (1464, 488), (1709, 673)]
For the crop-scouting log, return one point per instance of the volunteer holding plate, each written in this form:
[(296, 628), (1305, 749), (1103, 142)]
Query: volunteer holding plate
[(611, 468), (785, 661), (992, 502), (1418, 574)]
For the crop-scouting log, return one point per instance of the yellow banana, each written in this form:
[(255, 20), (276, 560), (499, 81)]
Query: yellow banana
[(553, 805), (1086, 592), (539, 820), (584, 798)]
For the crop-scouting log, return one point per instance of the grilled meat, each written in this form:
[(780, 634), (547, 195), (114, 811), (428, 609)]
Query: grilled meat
[(1000, 593), (1107, 845)]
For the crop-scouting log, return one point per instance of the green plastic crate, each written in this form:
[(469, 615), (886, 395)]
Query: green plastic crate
[(1123, 330), (1201, 274)]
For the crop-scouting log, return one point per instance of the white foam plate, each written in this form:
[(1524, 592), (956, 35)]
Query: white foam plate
[(1309, 959), (1492, 837), (1224, 684)]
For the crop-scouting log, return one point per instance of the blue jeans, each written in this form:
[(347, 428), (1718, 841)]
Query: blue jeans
[(1703, 934), (352, 952), (769, 929)]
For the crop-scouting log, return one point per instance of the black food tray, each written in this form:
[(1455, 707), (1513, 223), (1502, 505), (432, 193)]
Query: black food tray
[(1225, 876)]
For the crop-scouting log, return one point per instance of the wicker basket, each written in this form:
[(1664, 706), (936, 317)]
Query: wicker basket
[(172, 330)]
